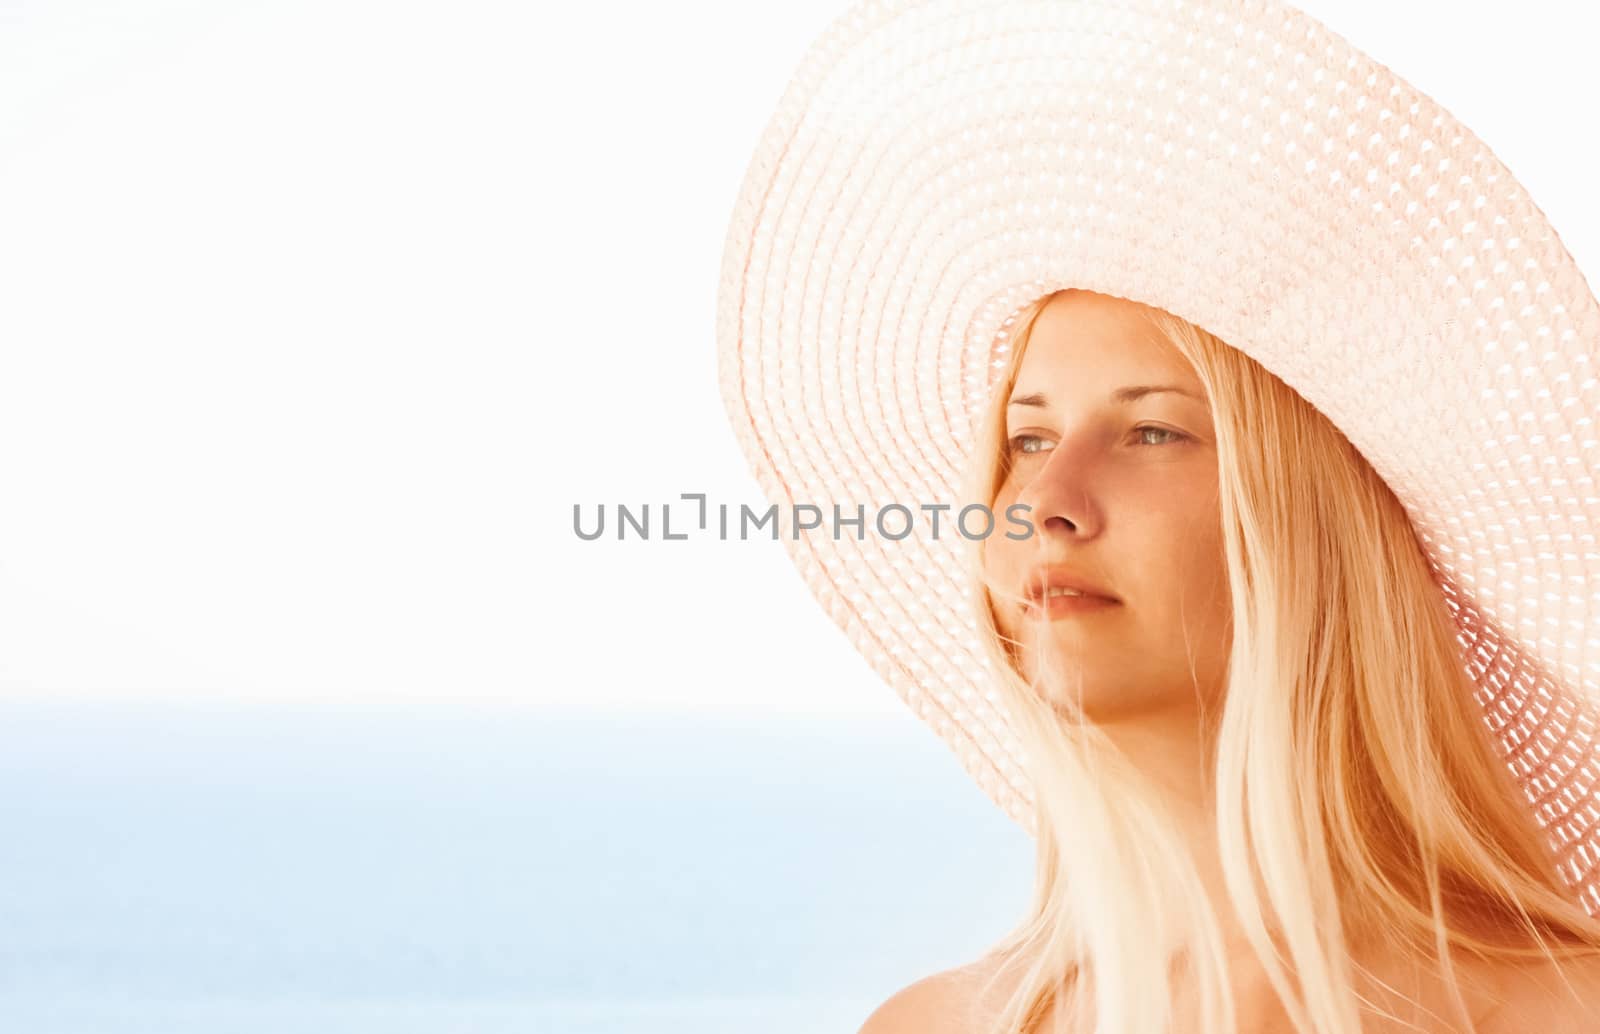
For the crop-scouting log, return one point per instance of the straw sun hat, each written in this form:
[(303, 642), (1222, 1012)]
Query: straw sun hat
[(936, 165)]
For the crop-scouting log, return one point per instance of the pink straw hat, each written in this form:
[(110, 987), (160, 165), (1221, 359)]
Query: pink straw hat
[(936, 165)]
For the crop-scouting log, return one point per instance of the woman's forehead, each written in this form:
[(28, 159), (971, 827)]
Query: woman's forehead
[(1091, 341)]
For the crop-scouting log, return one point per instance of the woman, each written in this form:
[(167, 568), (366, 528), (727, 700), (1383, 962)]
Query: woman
[(1314, 747), (1368, 707)]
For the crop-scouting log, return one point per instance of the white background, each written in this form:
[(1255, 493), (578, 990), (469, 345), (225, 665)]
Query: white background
[(316, 319)]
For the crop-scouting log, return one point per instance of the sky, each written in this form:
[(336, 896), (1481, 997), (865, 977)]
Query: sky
[(317, 319)]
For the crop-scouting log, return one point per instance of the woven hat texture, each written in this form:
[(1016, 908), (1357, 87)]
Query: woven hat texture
[(936, 165)]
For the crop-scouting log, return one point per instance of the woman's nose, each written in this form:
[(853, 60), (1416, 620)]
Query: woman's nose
[(1059, 498)]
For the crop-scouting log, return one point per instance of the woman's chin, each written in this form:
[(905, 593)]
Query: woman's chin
[(1096, 702)]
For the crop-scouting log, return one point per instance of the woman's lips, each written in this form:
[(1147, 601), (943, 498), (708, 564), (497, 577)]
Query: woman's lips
[(1068, 606)]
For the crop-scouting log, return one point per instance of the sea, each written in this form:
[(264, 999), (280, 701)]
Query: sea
[(181, 867)]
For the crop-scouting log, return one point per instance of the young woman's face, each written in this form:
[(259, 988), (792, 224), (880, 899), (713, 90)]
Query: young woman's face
[(1123, 495)]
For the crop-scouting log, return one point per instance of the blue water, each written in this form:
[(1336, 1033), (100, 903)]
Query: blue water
[(224, 868)]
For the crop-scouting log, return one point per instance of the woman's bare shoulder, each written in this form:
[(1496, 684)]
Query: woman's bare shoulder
[(1539, 996), (954, 1001), (932, 1005)]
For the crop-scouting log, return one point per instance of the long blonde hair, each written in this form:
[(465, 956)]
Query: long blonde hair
[(1357, 789)]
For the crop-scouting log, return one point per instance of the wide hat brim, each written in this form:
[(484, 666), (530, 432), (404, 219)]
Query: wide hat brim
[(935, 165)]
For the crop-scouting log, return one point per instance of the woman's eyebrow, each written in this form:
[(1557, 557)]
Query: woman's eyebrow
[(1122, 396)]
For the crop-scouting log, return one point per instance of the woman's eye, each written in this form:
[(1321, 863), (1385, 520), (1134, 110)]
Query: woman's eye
[(1172, 435), (1022, 443), (1028, 444)]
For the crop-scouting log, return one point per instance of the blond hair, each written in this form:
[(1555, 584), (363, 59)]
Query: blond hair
[(1358, 793)]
